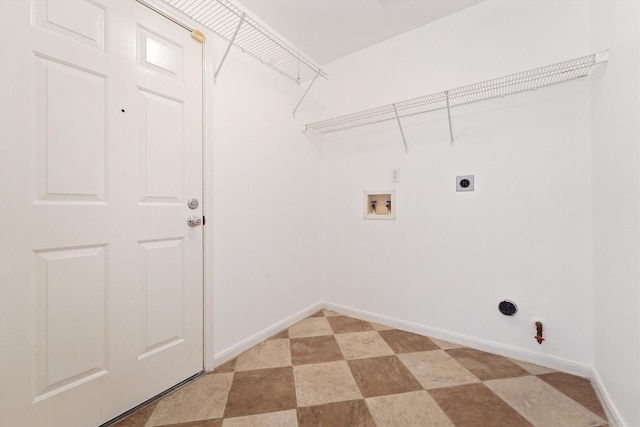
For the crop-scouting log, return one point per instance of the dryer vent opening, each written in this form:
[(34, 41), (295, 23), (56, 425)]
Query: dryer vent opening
[(508, 308)]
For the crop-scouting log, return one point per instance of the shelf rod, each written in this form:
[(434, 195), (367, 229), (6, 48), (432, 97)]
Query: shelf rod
[(404, 140), (165, 15), (446, 93), (226, 52), (305, 93)]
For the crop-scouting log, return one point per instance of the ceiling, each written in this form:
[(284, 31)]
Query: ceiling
[(326, 30)]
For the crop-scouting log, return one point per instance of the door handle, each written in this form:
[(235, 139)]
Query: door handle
[(194, 221)]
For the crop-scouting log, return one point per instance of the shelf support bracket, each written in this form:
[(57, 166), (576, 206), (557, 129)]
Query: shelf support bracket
[(226, 52), (404, 140), (602, 56), (306, 92), (446, 93)]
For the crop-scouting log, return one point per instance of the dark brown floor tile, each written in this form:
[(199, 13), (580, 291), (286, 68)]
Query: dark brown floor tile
[(379, 376), (475, 405), (486, 366), (224, 368), (407, 342), (579, 389), (318, 314), (138, 418), (344, 324), (264, 390), (352, 413), (204, 423), (280, 335), (315, 350)]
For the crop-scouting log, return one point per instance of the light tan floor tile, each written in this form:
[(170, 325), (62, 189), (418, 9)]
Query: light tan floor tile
[(310, 327), (436, 368), (203, 399), (324, 383), (407, 409), (542, 404), (268, 354), (445, 345), (534, 369), (358, 345), (273, 419)]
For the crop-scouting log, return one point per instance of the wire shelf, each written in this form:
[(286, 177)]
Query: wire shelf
[(244, 32), (508, 85)]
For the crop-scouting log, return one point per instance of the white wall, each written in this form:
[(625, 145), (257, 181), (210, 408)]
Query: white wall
[(265, 217), (524, 234), (616, 205)]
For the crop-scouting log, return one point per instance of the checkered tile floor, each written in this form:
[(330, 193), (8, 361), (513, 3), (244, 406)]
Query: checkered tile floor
[(334, 370)]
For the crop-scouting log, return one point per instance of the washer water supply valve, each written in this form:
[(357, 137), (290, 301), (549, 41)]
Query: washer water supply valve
[(538, 336)]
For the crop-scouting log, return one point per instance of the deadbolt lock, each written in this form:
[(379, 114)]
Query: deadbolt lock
[(193, 203)]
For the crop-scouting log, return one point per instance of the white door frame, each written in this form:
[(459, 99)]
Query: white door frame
[(207, 154)]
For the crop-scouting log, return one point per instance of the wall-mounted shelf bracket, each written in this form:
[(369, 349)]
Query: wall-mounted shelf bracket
[(226, 52), (446, 93), (404, 140), (602, 56), (305, 93)]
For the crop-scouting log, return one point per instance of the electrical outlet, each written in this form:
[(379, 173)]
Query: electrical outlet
[(464, 183), (395, 175)]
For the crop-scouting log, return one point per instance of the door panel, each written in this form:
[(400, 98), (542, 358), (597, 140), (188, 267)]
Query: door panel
[(163, 298), (101, 146), (162, 144), (71, 159), (80, 20), (71, 333)]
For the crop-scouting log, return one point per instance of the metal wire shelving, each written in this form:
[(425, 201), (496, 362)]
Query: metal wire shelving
[(247, 34), (446, 100)]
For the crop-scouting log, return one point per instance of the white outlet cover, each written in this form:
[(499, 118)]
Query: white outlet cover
[(395, 175)]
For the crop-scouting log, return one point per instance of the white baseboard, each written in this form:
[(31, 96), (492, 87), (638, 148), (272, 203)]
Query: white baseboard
[(605, 398), (551, 362), (231, 352)]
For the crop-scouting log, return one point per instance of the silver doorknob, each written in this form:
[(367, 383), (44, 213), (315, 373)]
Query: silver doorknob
[(194, 221)]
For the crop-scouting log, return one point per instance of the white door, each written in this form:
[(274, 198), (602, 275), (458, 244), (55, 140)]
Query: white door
[(101, 303)]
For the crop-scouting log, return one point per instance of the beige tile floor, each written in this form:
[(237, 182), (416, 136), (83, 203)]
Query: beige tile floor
[(334, 370)]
